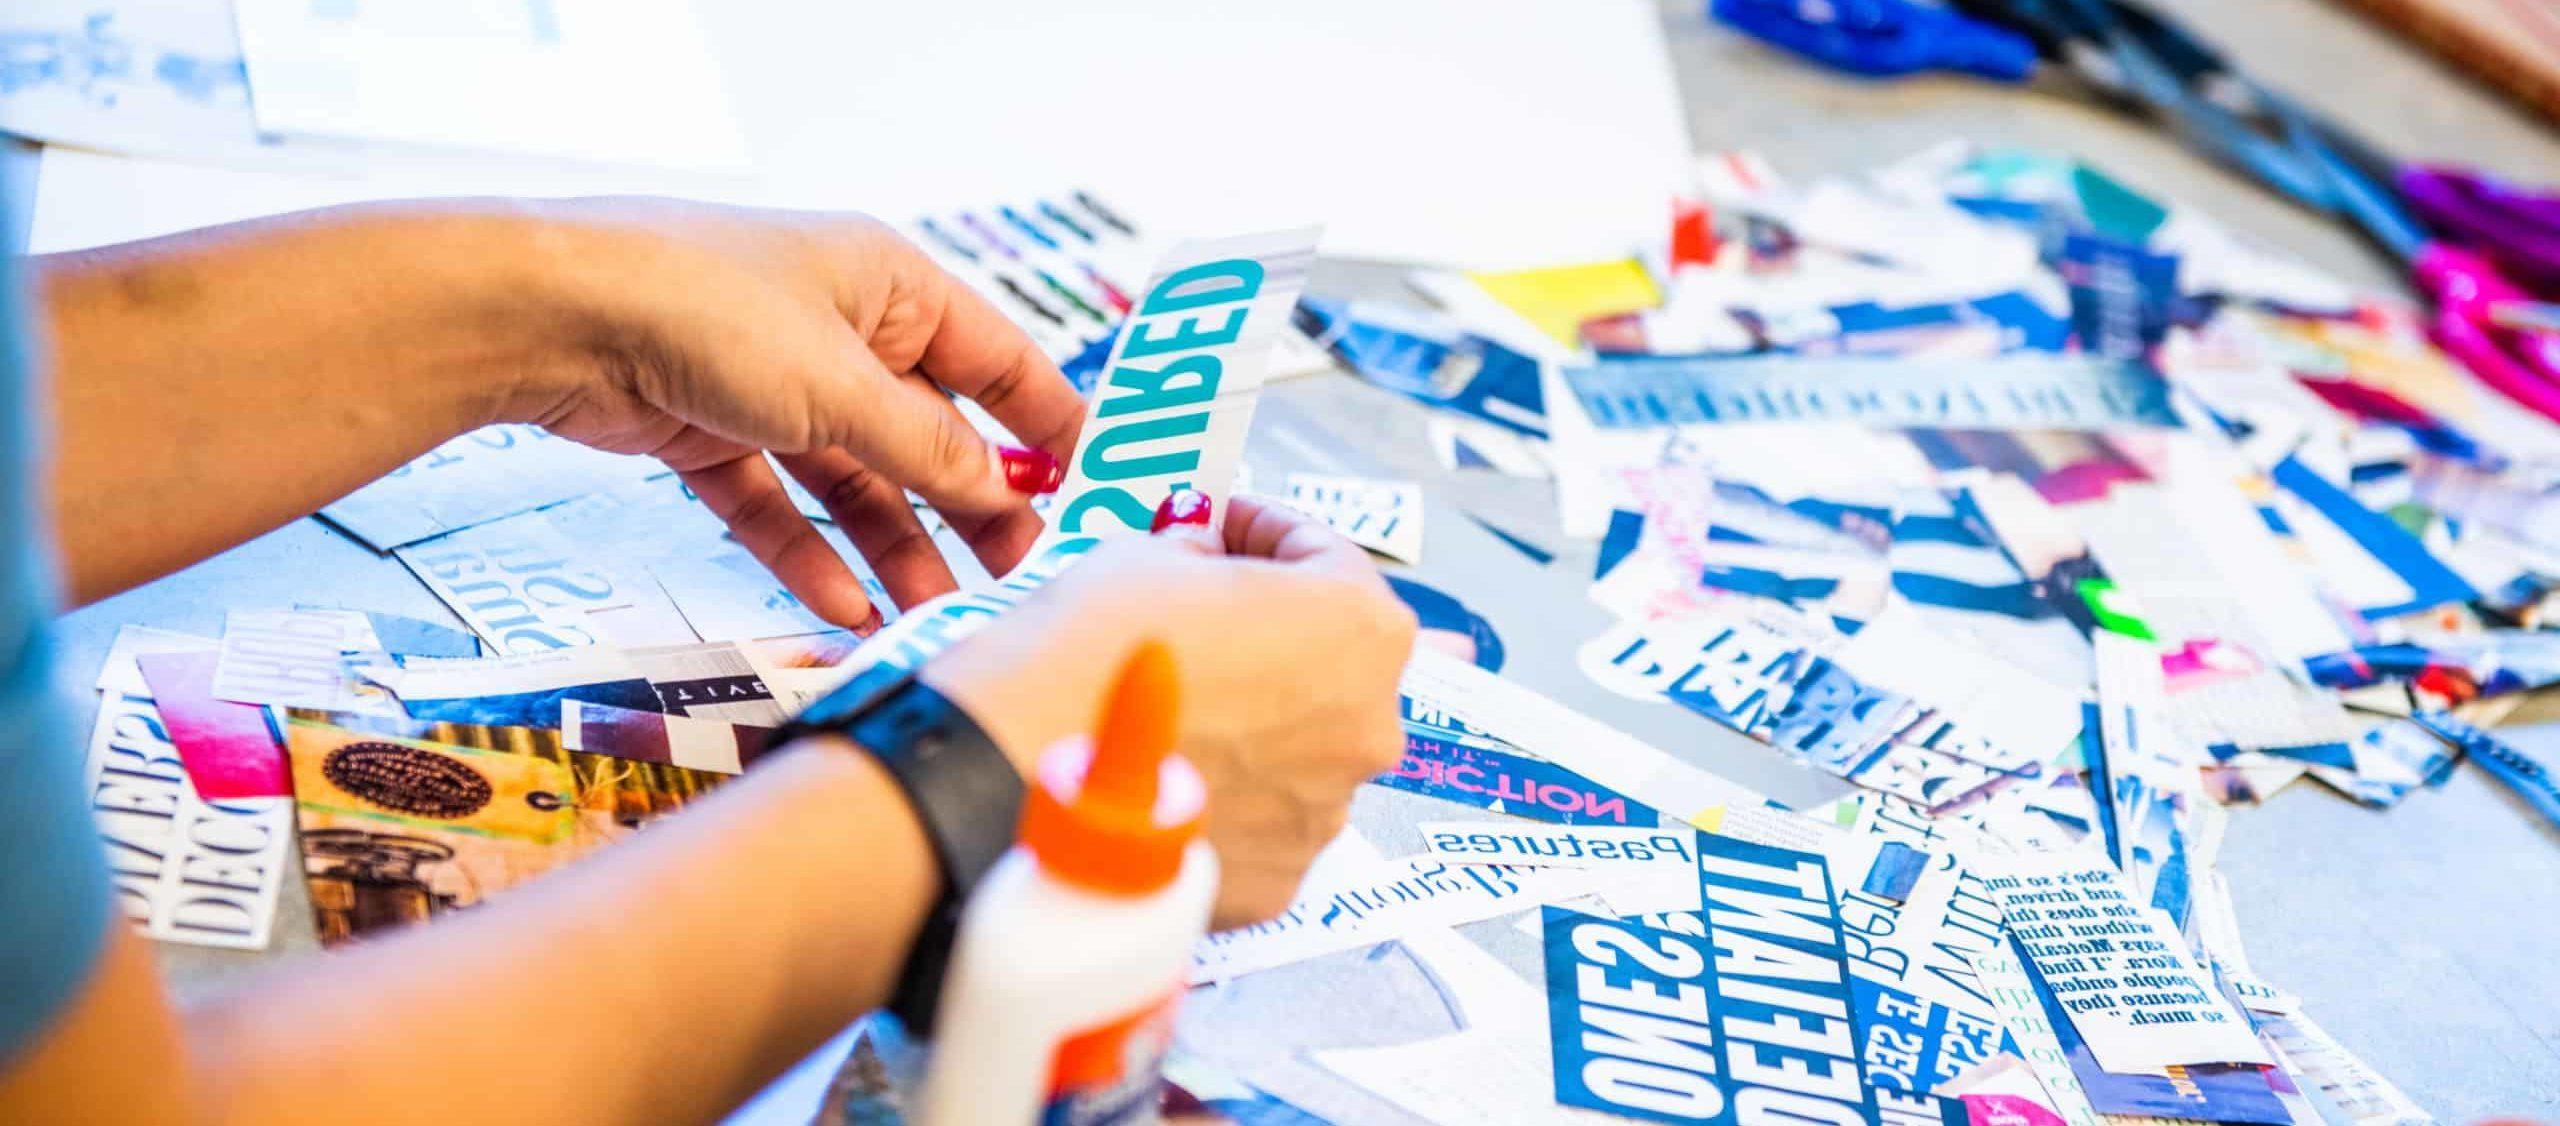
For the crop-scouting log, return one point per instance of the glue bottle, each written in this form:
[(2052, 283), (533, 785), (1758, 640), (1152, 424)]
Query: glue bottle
[(1059, 1000)]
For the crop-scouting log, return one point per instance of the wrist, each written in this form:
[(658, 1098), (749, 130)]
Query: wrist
[(863, 837), (961, 789), (1032, 682), (527, 290)]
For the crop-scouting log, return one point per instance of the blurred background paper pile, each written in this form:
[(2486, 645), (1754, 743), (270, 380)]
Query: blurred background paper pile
[(1506, 134), (346, 83), (166, 81), (624, 81)]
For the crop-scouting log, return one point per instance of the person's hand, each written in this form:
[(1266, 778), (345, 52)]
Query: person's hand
[(706, 336), (1289, 648)]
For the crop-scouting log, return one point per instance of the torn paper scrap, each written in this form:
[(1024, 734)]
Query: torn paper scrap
[(185, 869), (1383, 516), (406, 822), (296, 659), (1467, 443), (658, 534), (2119, 967), (2014, 995), (1179, 392), (120, 672), (1680, 1021), (1648, 871), (707, 681), (1484, 774), (1363, 902), (1475, 1077), (228, 749), (487, 474), (525, 586), (648, 736), (1476, 700)]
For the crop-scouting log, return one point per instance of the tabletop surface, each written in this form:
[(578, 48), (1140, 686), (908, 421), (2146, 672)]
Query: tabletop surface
[(2418, 936)]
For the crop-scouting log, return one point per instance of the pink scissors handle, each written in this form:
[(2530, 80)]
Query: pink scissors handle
[(2522, 364)]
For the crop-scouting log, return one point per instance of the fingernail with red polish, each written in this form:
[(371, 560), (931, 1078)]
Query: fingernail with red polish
[(1031, 471), (1185, 506), (870, 624)]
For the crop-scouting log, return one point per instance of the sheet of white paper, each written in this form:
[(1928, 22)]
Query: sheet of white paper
[(2214, 519), (628, 81), (355, 628), (1495, 133), (126, 77), (2119, 968), (2196, 569), (726, 595), (1478, 151)]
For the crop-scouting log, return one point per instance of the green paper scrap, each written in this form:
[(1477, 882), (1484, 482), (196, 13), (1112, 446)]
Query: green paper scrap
[(2098, 593), (2115, 210)]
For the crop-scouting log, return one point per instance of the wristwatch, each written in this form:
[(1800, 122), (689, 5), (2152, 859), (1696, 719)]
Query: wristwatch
[(963, 788)]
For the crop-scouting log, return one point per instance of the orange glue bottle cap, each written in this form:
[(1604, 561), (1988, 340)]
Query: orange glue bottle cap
[(1116, 812)]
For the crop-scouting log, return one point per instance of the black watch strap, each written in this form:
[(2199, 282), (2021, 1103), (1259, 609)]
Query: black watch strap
[(963, 788)]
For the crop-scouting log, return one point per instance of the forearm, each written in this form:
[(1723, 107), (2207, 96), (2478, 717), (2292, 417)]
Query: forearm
[(662, 980), (213, 385)]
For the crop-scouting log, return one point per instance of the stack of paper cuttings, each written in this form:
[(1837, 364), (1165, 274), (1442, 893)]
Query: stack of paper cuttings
[(2054, 519), (2023, 958), (417, 775)]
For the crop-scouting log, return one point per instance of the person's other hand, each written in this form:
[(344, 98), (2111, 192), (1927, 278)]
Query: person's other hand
[(706, 336), (1289, 648)]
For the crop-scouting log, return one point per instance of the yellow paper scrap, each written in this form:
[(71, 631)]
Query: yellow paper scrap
[(1557, 299)]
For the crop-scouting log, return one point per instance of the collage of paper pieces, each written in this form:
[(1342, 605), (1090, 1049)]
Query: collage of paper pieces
[(2056, 553), (2045, 523)]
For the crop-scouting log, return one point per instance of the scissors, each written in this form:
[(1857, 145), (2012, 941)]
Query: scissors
[(2146, 63), (2530, 779)]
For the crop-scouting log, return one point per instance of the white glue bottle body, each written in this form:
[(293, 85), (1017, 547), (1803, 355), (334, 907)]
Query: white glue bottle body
[(1059, 1001)]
